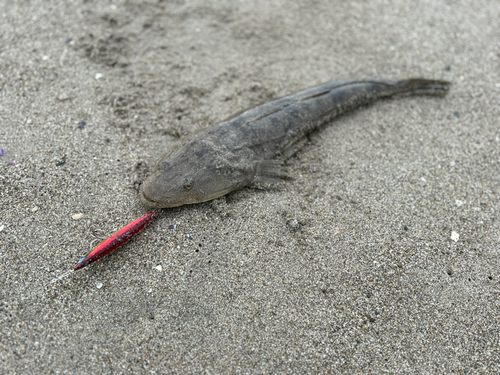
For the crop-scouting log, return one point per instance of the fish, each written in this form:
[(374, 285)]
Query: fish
[(250, 148)]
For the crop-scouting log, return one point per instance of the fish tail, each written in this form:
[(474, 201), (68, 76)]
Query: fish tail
[(420, 86)]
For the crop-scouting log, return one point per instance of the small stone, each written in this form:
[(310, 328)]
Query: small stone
[(159, 268), (2, 152), (98, 76), (459, 202), (2, 227), (63, 97), (78, 216), (99, 286), (45, 58), (34, 209), (455, 236)]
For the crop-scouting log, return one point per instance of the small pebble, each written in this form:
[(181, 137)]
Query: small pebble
[(172, 226), (78, 216), (82, 124), (12, 162), (99, 286), (34, 209), (459, 202), (159, 268), (2, 227), (189, 237), (2, 152), (455, 236), (45, 58), (63, 97), (61, 162), (98, 76)]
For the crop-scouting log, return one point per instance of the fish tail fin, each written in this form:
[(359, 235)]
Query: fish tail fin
[(420, 86)]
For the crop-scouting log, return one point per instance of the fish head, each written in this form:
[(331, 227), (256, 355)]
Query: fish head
[(195, 173)]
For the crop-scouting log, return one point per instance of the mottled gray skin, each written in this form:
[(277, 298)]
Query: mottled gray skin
[(249, 147)]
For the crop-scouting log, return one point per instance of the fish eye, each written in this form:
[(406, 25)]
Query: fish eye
[(188, 184)]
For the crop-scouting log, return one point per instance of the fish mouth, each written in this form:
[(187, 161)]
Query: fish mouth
[(155, 204), (148, 201)]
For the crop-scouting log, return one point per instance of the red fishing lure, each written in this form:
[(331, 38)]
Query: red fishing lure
[(117, 239)]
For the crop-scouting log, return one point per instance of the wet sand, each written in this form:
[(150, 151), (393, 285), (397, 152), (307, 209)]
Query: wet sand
[(381, 255)]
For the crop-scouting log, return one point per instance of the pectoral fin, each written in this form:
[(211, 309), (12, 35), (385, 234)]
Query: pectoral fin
[(268, 172)]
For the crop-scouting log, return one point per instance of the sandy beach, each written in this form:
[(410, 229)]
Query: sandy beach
[(381, 254)]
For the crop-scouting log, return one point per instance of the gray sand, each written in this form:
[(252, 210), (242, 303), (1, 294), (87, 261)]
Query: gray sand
[(350, 267)]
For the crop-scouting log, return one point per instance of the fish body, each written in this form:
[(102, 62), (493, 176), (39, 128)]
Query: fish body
[(250, 147)]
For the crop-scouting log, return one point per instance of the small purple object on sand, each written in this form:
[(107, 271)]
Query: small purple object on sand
[(2, 152)]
